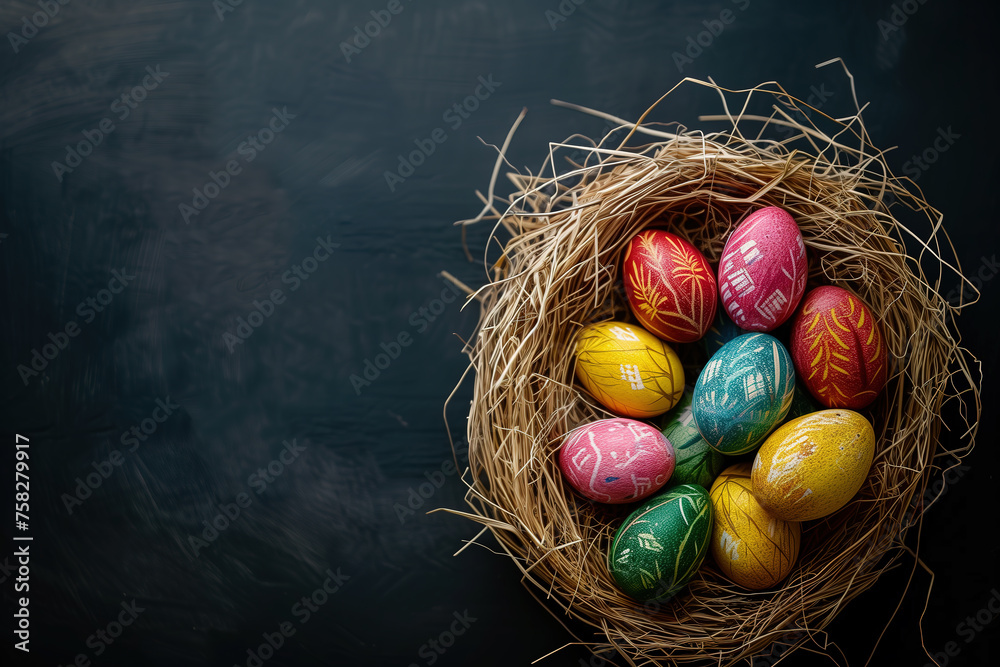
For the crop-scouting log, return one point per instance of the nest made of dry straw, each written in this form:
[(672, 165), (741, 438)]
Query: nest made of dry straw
[(558, 271)]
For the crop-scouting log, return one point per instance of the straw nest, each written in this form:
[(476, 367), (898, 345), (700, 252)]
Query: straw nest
[(565, 235)]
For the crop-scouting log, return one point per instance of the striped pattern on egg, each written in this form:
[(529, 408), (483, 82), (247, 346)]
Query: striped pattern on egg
[(662, 544), (763, 270), (743, 393)]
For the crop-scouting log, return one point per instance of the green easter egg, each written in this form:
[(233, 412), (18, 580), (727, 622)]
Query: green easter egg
[(695, 460), (662, 543)]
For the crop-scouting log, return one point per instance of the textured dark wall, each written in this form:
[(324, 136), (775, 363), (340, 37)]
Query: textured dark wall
[(185, 277)]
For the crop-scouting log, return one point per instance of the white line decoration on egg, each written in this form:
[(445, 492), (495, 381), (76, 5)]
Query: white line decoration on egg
[(641, 485), (636, 431), (596, 470), (630, 457), (631, 374), (737, 284), (648, 541), (771, 306), (731, 546), (750, 252), (754, 386), (624, 334)]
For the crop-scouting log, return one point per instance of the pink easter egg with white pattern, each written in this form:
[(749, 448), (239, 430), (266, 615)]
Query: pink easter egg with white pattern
[(763, 270), (616, 460)]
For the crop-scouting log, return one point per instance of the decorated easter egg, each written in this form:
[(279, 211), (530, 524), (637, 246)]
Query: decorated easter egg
[(695, 461), (751, 547), (662, 543), (838, 349), (670, 286), (616, 460), (721, 332), (812, 466), (744, 391), (763, 270), (629, 370)]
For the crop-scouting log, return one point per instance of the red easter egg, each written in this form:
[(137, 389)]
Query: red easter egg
[(763, 270), (838, 350), (670, 286), (616, 460)]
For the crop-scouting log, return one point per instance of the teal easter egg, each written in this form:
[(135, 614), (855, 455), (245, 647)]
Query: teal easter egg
[(695, 462), (662, 543), (743, 393), (721, 332)]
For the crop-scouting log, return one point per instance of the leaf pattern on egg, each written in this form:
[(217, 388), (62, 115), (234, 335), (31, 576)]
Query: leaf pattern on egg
[(654, 291), (832, 341)]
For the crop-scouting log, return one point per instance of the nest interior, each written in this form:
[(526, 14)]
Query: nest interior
[(565, 234)]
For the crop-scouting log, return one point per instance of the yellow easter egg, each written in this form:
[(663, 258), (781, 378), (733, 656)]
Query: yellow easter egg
[(629, 370), (812, 466), (752, 547)]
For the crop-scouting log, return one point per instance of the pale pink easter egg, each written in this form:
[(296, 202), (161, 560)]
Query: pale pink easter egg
[(763, 270), (616, 460)]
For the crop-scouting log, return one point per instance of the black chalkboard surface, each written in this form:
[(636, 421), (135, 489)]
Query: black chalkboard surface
[(227, 345)]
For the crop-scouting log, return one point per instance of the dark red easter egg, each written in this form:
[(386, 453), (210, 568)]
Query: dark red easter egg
[(670, 286), (838, 349)]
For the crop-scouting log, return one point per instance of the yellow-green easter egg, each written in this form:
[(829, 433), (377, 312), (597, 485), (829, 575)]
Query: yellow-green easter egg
[(751, 547), (812, 466), (628, 370), (662, 543)]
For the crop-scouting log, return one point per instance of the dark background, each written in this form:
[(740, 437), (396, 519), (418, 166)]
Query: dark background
[(323, 176)]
